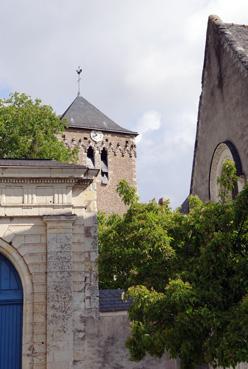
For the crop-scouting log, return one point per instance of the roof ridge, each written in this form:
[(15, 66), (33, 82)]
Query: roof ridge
[(215, 19), (229, 42)]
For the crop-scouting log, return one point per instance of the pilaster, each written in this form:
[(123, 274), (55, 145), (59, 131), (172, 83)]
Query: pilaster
[(59, 292)]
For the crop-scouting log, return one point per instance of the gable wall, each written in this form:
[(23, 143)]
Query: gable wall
[(223, 111)]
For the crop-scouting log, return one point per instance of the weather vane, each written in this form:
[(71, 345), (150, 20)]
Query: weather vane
[(79, 71)]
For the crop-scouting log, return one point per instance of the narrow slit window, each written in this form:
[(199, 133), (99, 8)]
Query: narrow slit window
[(104, 167), (90, 158)]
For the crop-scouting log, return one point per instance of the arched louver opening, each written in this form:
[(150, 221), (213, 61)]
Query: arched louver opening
[(90, 157), (104, 167)]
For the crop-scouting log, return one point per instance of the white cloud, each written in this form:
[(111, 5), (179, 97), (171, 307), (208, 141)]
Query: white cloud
[(150, 121), (141, 61)]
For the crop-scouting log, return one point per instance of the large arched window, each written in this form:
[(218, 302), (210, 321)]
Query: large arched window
[(224, 151), (104, 167)]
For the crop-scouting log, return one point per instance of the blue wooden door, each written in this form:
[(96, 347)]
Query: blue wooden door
[(11, 302)]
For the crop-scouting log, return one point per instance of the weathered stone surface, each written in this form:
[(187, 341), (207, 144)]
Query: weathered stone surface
[(223, 108), (59, 291), (47, 225), (113, 332)]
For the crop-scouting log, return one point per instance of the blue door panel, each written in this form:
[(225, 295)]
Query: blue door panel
[(11, 336), (9, 279), (11, 305)]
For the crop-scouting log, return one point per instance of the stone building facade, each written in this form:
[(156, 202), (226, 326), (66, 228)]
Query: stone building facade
[(48, 233), (222, 130), (48, 241), (105, 145)]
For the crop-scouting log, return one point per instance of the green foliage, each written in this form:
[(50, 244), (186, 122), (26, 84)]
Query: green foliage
[(187, 276), (29, 130), (201, 315), (227, 181), (127, 193), (134, 248)]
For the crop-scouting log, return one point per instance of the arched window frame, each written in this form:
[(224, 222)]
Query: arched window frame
[(225, 150)]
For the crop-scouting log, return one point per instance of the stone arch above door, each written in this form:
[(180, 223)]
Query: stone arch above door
[(224, 151), (21, 267)]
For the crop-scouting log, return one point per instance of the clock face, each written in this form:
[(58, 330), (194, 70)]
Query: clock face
[(96, 136)]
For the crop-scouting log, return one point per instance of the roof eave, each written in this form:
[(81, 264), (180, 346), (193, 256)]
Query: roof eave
[(131, 133)]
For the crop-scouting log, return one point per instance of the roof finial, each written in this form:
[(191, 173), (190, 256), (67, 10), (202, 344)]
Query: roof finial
[(79, 71)]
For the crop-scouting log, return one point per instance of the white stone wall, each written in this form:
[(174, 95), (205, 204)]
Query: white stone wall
[(48, 231)]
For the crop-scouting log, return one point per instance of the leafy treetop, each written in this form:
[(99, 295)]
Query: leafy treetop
[(29, 130), (134, 248), (227, 181)]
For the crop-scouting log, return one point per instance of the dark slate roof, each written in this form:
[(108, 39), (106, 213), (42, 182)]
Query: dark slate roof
[(38, 162), (111, 300), (83, 115)]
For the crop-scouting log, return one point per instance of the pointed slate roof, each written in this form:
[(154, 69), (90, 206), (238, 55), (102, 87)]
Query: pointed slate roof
[(83, 115)]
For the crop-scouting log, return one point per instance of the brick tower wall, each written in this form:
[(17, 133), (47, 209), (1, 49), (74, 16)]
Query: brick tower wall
[(121, 151)]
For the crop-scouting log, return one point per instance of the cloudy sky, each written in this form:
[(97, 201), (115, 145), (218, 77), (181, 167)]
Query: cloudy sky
[(142, 62)]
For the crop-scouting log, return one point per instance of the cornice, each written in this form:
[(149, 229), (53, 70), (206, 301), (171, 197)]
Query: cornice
[(47, 180)]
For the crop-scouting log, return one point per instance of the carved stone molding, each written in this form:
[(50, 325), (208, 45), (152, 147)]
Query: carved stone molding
[(119, 148), (48, 180)]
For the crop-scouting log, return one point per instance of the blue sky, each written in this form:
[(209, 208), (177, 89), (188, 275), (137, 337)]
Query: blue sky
[(142, 63), (4, 91)]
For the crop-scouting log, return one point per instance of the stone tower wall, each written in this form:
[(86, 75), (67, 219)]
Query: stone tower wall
[(121, 164)]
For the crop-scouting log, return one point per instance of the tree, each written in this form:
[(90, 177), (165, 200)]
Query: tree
[(201, 316), (227, 181), (30, 130), (134, 248), (197, 307)]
